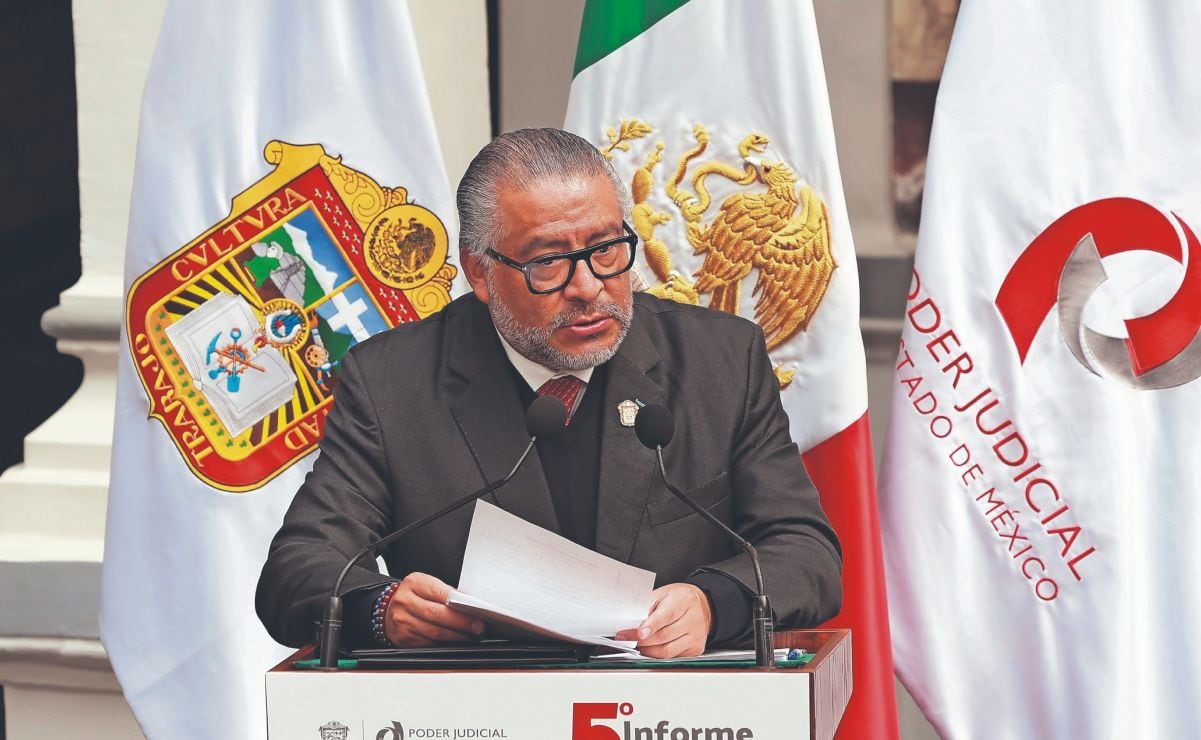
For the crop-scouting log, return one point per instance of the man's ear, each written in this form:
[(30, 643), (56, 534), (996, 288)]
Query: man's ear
[(476, 271)]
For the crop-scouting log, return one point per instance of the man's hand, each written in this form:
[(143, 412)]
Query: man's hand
[(418, 616), (677, 625)]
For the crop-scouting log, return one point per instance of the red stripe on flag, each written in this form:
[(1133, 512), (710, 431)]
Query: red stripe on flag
[(843, 471)]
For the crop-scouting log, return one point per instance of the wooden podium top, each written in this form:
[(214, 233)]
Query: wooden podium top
[(822, 644), (831, 668)]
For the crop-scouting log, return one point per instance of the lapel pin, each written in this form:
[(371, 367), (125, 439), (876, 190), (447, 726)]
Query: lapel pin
[(626, 411)]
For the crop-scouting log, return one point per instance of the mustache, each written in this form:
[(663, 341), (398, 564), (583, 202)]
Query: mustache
[(570, 315)]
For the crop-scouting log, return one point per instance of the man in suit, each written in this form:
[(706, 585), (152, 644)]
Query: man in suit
[(427, 412)]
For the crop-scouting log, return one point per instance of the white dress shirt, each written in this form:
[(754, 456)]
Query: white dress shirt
[(536, 375)]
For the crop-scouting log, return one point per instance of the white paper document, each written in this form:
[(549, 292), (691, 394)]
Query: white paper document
[(708, 655), (519, 574)]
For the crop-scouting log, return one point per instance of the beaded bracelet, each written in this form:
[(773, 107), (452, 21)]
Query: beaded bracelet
[(381, 612)]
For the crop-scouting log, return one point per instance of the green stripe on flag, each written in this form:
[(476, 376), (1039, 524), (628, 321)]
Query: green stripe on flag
[(609, 24)]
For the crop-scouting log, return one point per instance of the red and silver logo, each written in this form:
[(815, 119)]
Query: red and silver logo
[(1063, 268)]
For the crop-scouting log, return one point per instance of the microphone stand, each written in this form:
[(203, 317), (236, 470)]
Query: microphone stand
[(765, 655)]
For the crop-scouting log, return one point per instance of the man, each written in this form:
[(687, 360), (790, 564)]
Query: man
[(430, 411)]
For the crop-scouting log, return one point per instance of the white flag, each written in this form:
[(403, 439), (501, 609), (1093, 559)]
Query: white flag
[(289, 201), (1039, 487), (716, 113)]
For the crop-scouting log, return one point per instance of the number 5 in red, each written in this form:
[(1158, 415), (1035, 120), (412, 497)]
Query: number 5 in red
[(584, 713)]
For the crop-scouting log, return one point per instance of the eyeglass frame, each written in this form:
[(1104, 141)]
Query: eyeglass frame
[(630, 237)]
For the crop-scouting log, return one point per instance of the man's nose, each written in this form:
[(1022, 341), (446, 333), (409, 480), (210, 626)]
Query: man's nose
[(583, 286)]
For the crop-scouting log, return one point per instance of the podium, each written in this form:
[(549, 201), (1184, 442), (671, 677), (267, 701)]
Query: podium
[(655, 702)]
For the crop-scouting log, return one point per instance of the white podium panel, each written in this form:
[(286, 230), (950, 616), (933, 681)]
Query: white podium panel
[(539, 705), (647, 703)]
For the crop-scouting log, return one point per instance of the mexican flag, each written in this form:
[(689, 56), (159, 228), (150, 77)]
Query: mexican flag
[(716, 113), (1040, 477), (289, 201)]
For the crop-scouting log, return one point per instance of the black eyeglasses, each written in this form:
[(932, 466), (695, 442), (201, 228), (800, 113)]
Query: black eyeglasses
[(552, 272)]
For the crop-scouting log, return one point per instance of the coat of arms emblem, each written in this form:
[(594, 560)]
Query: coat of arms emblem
[(334, 731), (779, 230), (239, 335)]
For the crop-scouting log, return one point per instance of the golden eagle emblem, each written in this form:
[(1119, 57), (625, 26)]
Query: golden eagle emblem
[(782, 233)]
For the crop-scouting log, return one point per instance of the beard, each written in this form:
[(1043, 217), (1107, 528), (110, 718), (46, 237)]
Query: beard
[(533, 342)]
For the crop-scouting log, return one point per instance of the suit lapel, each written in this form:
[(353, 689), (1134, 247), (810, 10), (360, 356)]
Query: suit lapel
[(491, 419), (627, 469)]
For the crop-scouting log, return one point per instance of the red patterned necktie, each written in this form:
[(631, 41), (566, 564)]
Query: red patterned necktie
[(565, 388)]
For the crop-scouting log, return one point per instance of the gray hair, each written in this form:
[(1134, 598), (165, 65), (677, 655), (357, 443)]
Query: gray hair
[(525, 155)]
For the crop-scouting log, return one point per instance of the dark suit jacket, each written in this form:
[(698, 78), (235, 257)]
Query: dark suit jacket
[(428, 412)]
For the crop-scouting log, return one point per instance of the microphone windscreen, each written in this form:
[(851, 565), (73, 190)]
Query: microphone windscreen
[(546, 416), (655, 426)]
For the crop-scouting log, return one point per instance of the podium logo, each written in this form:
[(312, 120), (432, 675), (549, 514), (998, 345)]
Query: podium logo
[(587, 723), (333, 731), (1062, 268), (395, 732)]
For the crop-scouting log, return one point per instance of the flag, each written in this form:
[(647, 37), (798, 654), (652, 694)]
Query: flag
[(289, 201), (716, 113), (1039, 486)]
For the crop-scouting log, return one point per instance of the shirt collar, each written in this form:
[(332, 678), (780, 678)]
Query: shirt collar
[(534, 374)]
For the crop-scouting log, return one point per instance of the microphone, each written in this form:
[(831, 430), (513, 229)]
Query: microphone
[(546, 416), (655, 427)]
